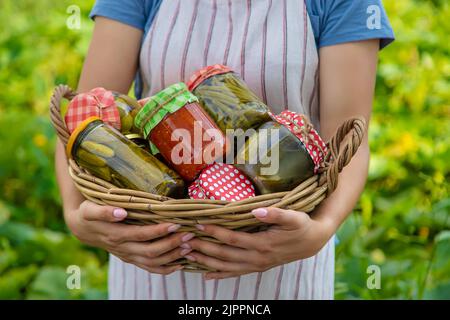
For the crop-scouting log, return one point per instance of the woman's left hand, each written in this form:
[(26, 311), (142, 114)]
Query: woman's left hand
[(293, 235)]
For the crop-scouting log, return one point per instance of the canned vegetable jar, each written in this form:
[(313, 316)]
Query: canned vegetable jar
[(108, 155), (281, 154), (128, 108), (178, 128), (228, 99)]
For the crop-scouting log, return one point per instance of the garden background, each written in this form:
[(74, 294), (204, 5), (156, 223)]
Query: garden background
[(401, 223)]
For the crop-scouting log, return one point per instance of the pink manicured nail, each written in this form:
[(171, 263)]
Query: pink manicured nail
[(185, 251), (187, 237), (190, 258), (200, 227), (185, 246), (173, 228), (260, 213), (119, 213)]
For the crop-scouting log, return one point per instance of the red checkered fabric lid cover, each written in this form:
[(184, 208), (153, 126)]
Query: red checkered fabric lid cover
[(203, 74), (221, 181), (314, 144), (98, 102)]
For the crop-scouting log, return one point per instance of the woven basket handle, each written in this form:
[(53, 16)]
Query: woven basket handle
[(342, 147), (60, 92)]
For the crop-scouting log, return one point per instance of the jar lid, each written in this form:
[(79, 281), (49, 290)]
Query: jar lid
[(300, 126), (98, 102), (158, 106), (205, 73), (134, 136), (74, 135), (220, 181)]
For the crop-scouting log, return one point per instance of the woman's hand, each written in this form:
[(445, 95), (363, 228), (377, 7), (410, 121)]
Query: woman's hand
[(293, 236), (97, 226)]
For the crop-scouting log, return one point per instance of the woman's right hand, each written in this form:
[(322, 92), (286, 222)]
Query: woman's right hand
[(149, 247)]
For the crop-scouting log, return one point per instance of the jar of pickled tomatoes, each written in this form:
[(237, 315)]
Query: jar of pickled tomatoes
[(183, 133)]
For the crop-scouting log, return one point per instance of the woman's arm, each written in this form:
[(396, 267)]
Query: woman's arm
[(111, 62), (347, 84), (347, 79)]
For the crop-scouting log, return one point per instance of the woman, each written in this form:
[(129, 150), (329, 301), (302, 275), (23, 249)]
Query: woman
[(276, 46)]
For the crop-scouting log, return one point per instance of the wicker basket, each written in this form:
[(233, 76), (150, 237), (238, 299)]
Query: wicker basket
[(146, 208)]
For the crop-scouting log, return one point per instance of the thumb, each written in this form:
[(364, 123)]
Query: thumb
[(286, 219), (94, 212)]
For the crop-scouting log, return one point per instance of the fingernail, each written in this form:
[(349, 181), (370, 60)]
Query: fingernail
[(190, 258), (185, 246), (200, 227), (187, 237), (185, 251), (119, 213), (173, 228), (260, 213)]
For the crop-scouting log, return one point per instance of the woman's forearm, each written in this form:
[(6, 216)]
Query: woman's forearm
[(112, 43), (347, 78), (71, 197), (335, 209)]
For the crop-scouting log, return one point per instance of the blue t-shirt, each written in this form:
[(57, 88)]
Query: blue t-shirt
[(333, 21)]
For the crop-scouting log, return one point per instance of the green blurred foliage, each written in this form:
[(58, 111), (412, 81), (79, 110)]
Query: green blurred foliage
[(38, 51), (401, 220), (400, 224)]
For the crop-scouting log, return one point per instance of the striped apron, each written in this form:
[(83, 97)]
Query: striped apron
[(271, 44)]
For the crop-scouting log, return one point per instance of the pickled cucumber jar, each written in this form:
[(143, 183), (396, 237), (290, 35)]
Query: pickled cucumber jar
[(108, 155), (128, 108), (181, 131), (281, 154), (227, 99)]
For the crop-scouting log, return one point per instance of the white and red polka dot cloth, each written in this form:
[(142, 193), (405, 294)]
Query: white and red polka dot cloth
[(315, 146), (221, 181)]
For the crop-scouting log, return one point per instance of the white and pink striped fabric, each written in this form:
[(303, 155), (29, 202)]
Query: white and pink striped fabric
[(271, 44)]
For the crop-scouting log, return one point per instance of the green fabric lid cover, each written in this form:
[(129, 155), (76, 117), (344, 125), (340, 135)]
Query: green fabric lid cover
[(153, 149), (158, 106)]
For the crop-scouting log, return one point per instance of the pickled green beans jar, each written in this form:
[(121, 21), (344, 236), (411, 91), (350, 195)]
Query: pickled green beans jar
[(228, 99)]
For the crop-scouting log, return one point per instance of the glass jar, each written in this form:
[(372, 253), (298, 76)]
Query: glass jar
[(139, 140), (107, 154), (278, 157), (128, 108), (228, 99), (184, 134)]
